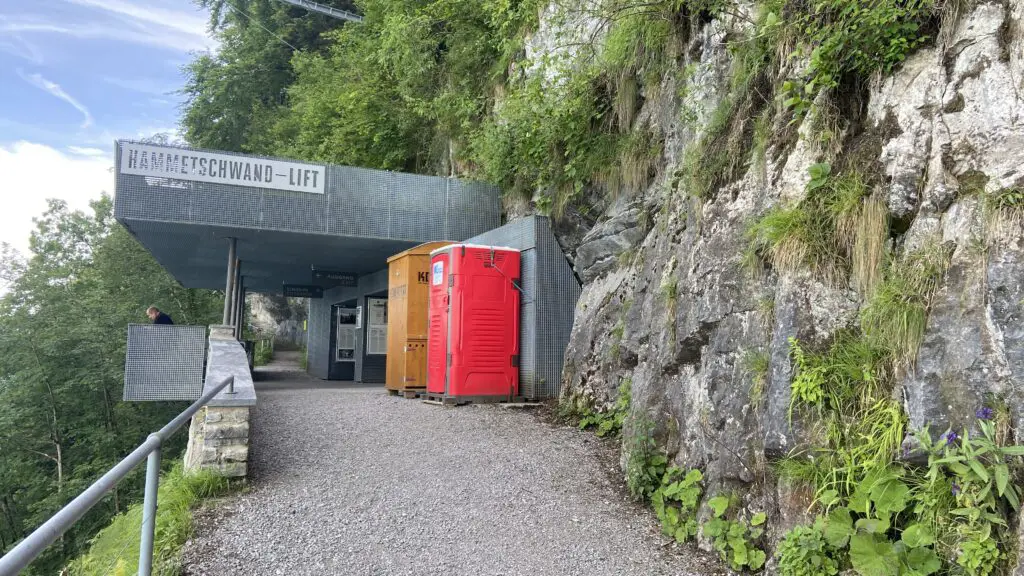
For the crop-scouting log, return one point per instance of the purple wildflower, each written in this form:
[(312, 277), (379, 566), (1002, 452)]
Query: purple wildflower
[(985, 413), (956, 489), (950, 438)]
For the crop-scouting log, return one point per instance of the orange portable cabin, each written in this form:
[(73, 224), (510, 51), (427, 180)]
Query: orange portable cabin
[(408, 295)]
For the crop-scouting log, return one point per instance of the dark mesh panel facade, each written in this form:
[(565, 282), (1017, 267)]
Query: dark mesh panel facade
[(318, 338), (550, 293), (358, 201), (363, 217), (469, 203)]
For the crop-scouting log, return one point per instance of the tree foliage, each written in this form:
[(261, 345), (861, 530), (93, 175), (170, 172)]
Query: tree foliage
[(400, 91), (234, 96), (62, 345)]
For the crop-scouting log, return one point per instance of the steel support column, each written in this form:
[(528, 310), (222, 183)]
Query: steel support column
[(240, 324), (236, 294), (229, 288)]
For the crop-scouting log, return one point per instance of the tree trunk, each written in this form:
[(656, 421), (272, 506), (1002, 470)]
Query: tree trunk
[(56, 438), (108, 405), (60, 467)]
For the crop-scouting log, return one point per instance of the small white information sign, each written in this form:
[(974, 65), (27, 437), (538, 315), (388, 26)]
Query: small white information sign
[(377, 326)]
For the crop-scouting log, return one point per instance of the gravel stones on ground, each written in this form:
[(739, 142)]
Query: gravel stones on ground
[(348, 480)]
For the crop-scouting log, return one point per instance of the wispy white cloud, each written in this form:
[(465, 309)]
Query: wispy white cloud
[(142, 85), (76, 178), (186, 22), (15, 44), (91, 152), (136, 32), (55, 90)]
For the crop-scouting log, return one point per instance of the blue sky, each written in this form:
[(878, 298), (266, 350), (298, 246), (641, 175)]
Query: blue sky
[(74, 76)]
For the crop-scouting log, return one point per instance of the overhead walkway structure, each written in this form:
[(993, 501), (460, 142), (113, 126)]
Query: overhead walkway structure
[(287, 217), (243, 223)]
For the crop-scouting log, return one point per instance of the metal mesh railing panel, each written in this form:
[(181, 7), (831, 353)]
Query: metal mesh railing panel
[(164, 362)]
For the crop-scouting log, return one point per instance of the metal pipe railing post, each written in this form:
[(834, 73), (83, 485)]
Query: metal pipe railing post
[(229, 287), (35, 543), (149, 510)]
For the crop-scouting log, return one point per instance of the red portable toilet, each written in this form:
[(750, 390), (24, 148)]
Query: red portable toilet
[(473, 339)]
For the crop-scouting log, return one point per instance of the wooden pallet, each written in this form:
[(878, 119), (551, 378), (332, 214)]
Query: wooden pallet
[(439, 399), (442, 400), (408, 393)]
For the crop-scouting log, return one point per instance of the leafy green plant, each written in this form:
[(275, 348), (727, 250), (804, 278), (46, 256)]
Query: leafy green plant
[(609, 422), (856, 37), (979, 466), (808, 386), (868, 521), (264, 352), (979, 552), (549, 141), (646, 464), (819, 175), (859, 423), (905, 520), (805, 552), (1005, 209), (676, 501), (1009, 199), (735, 539)]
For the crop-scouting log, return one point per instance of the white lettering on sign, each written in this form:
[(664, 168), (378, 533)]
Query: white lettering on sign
[(181, 164)]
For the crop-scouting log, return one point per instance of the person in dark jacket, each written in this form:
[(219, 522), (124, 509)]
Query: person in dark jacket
[(157, 316)]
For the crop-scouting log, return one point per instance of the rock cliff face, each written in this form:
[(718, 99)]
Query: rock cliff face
[(276, 316), (669, 305)]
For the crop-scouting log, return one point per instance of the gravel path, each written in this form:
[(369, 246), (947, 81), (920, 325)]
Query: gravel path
[(348, 480)]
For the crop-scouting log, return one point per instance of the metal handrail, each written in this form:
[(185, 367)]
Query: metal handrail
[(33, 545)]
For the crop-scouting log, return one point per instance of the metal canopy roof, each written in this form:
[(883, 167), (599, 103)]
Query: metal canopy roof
[(184, 214)]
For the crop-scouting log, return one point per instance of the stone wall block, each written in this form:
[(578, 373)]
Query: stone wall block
[(219, 441), (219, 431)]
